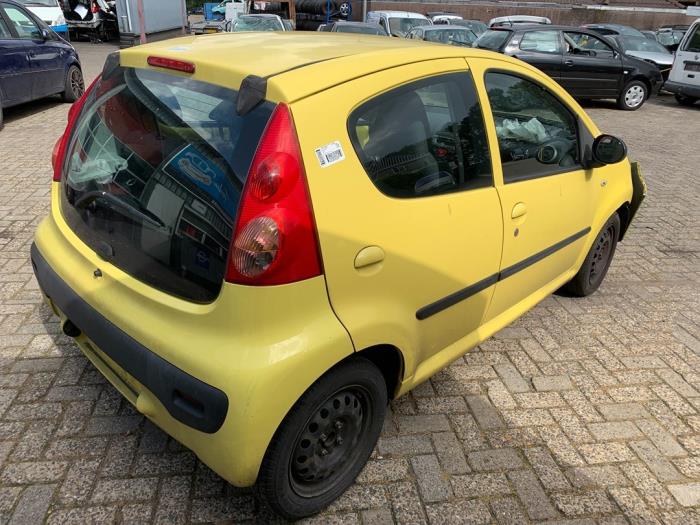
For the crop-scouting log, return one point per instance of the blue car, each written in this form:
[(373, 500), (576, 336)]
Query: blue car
[(34, 61)]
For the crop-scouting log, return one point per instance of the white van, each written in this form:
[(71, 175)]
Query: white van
[(397, 23), (684, 80), (51, 12)]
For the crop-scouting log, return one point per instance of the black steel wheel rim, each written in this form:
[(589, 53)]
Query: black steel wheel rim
[(327, 445), (601, 254), (76, 82)]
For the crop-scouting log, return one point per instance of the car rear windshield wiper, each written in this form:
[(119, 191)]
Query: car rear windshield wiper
[(117, 204)]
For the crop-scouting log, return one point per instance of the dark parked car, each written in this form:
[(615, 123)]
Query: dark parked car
[(613, 29), (586, 64), (34, 61)]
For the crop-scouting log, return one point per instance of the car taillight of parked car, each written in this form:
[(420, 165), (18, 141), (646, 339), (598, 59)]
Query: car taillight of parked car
[(275, 240), (95, 8), (59, 150)]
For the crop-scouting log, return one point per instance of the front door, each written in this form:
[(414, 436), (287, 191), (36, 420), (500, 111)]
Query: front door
[(411, 248), (15, 71), (542, 49), (548, 199), (591, 68), (44, 54)]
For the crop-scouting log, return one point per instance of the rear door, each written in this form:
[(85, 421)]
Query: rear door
[(408, 216), (686, 65), (542, 49), (15, 72), (591, 67)]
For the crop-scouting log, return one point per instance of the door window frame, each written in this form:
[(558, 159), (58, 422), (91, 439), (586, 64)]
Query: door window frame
[(581, 129), (416, 84)]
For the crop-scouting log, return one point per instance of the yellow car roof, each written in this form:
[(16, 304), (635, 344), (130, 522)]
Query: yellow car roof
[(327, 59)]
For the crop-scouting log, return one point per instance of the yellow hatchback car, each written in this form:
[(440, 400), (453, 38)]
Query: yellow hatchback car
[(260, 239)]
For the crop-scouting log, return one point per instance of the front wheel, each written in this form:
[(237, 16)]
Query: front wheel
[(685, 100), (633, 96), (75, 85), (325, 440), (597, 262)]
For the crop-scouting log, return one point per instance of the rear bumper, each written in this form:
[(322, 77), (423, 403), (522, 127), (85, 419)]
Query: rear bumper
[(678, 88), (187, 399)]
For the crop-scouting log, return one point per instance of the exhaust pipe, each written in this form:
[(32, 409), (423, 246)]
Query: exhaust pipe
[(70, 329)]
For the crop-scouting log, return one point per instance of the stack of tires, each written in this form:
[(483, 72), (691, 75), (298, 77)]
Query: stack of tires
[(312, 13)]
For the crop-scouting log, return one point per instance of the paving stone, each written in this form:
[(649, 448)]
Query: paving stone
[(473, 512), (115, 490), (384, 470), (547, 469), (606, 453), (592, 502), (633, 506), (508, 511), (422, 423), (404, 445), (32, 505), (661, 438), (597, 476), (33, 472), (511, 378), (533, 498), (484, 412), (449, 451), (613, 431), (377, 517), (433, 487), (687, 494), (497, 459), (405, 503), (660, 466), (480, 485), (552, 383)]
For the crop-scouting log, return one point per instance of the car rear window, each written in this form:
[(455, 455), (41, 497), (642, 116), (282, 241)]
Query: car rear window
[(154, 174), (492, 40), (693, 42)]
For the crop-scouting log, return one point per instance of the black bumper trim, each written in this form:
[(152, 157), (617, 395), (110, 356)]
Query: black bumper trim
[(678, 88), (187, 399)]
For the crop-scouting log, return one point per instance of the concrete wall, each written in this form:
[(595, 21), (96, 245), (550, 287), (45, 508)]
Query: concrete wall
[(567, 16)]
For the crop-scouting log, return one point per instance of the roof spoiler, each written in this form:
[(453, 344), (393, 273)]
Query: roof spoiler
[(252, 92)]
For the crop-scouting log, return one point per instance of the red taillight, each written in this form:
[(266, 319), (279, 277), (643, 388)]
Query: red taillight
[(95, 8), (171, 63), (275, 239), (59, 149)]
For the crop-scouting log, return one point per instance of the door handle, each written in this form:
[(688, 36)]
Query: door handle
[(568, 63), (368, 256), (518, 211)]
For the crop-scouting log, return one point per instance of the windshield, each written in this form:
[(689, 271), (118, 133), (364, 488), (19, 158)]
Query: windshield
[(462, 37), (492, 40), (640, 43), (401, 26), (693, 42), (363, 30), (39, 3), (154, 174), (256, 24)]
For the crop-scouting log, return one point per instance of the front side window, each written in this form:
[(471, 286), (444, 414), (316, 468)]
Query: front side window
[(26, 27), (537, 134), (587, 45), (425, 138), (541, 42)]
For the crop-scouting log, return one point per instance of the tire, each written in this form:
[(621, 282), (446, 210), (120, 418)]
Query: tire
[(595, 266), (633, 96), (2, 121), (685, 100), (75, 85), (324, 441)]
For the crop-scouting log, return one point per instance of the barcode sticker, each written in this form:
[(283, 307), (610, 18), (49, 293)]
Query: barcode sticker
[(330, 154)]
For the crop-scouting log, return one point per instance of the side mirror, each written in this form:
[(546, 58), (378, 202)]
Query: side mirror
[(608, 150), (45, 35)]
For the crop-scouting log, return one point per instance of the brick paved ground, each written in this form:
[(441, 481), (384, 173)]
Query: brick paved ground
[(584, 411)]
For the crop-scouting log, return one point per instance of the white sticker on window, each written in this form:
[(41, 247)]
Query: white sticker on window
[(330, 154)]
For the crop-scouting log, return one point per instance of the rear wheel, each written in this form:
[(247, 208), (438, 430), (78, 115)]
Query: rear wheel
[(325, 440), (595, 266), (685, 100), (633, 96), (75, 85)]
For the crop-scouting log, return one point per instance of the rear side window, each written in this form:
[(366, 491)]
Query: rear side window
[(425, 138), (493, 40), (541, 42), (693, 42), (537, 134), (154, 174)]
